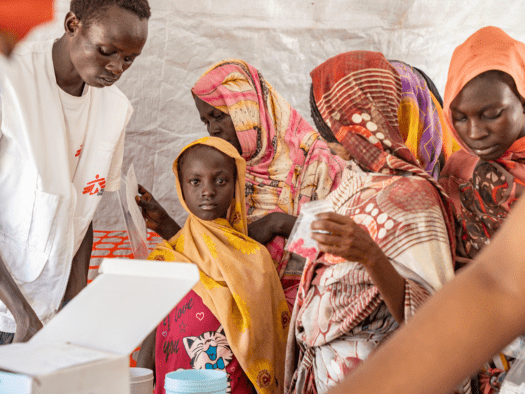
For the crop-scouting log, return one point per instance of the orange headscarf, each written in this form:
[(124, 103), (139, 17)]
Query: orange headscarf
[(490, 48), (18, 17)]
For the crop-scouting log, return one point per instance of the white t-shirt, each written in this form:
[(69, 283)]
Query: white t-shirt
[(76, 116)]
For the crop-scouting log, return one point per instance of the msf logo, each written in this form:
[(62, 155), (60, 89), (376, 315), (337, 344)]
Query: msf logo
[(95, 187)]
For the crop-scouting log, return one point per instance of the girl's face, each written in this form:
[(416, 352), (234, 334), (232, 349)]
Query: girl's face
[(207, 178), (106, 46), (488, 115), (218, 123)]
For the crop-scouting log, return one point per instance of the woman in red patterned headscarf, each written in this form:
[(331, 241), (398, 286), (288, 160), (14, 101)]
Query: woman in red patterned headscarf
[(388, 246)]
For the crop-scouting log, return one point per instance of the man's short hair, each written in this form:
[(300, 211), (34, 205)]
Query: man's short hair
[(86, 10)]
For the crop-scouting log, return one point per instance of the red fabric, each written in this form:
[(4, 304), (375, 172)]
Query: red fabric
[(18, 17), (192, 337)]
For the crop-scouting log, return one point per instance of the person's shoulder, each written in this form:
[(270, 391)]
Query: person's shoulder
[(27, 59), (32, 48)]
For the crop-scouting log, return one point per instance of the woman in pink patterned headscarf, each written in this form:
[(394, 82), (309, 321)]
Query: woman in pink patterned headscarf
[(287, 164)]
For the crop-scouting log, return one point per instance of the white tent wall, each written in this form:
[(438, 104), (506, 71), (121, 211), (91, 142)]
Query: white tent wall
[(284, 40)]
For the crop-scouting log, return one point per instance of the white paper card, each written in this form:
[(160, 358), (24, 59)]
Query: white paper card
[(116, 311), (45, 358)]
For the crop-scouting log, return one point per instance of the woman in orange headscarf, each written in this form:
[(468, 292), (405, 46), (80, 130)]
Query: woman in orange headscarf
[(485, 108)]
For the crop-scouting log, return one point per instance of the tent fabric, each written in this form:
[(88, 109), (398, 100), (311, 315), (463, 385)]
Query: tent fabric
[(285, 40)]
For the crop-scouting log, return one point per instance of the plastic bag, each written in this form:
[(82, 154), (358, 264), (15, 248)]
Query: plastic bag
[(300, 241), (514, 382), (135, 224)]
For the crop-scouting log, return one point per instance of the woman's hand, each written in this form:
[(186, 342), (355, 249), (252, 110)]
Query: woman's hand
[(346, 239), (351, 242), (272, 225), (156, 217)]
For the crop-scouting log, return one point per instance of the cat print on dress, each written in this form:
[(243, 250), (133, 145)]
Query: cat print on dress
[(210, 350)]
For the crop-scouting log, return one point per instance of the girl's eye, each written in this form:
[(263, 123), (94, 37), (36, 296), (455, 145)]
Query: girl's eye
[(221, 181), (219, 115), (194, 182)]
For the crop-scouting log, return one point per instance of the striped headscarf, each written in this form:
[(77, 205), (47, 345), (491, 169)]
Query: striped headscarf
[(357, 96), (421, 121)]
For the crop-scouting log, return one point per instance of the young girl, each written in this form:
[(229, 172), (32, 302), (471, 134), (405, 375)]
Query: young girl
[(236, 318), (484, 104)]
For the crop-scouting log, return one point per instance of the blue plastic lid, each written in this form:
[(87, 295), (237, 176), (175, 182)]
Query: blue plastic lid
[(196, 381)]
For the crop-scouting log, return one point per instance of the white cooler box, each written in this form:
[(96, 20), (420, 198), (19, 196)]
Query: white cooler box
[(85, 348)]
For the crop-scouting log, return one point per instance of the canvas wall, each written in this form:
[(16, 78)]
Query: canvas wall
[(285, 40)]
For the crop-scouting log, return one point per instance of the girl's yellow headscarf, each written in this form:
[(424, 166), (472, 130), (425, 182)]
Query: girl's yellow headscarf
[(239, 282)]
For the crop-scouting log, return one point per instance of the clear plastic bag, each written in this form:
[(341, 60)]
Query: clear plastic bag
[(135, 224), (514, 382), (300, 241)]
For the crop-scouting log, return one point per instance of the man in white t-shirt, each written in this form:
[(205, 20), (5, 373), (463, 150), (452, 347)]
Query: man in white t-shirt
[(61, 147)]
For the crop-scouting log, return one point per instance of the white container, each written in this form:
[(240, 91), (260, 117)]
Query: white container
[(140, 380), (196, 381), (67, 356)]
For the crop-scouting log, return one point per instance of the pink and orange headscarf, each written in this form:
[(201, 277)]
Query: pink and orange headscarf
[(287, 164)]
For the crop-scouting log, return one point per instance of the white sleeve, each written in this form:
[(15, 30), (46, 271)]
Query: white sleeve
[(113, 179)]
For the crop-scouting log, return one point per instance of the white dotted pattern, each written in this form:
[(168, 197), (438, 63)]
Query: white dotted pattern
[(371, 126)]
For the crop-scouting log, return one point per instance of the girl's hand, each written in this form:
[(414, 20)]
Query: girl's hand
[(156, 217), (346, 239)]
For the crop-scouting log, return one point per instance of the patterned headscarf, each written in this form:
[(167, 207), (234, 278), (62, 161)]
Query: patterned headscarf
[(287, 163), (483, 192), (421, 121), (358, 94), (238, 281)]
